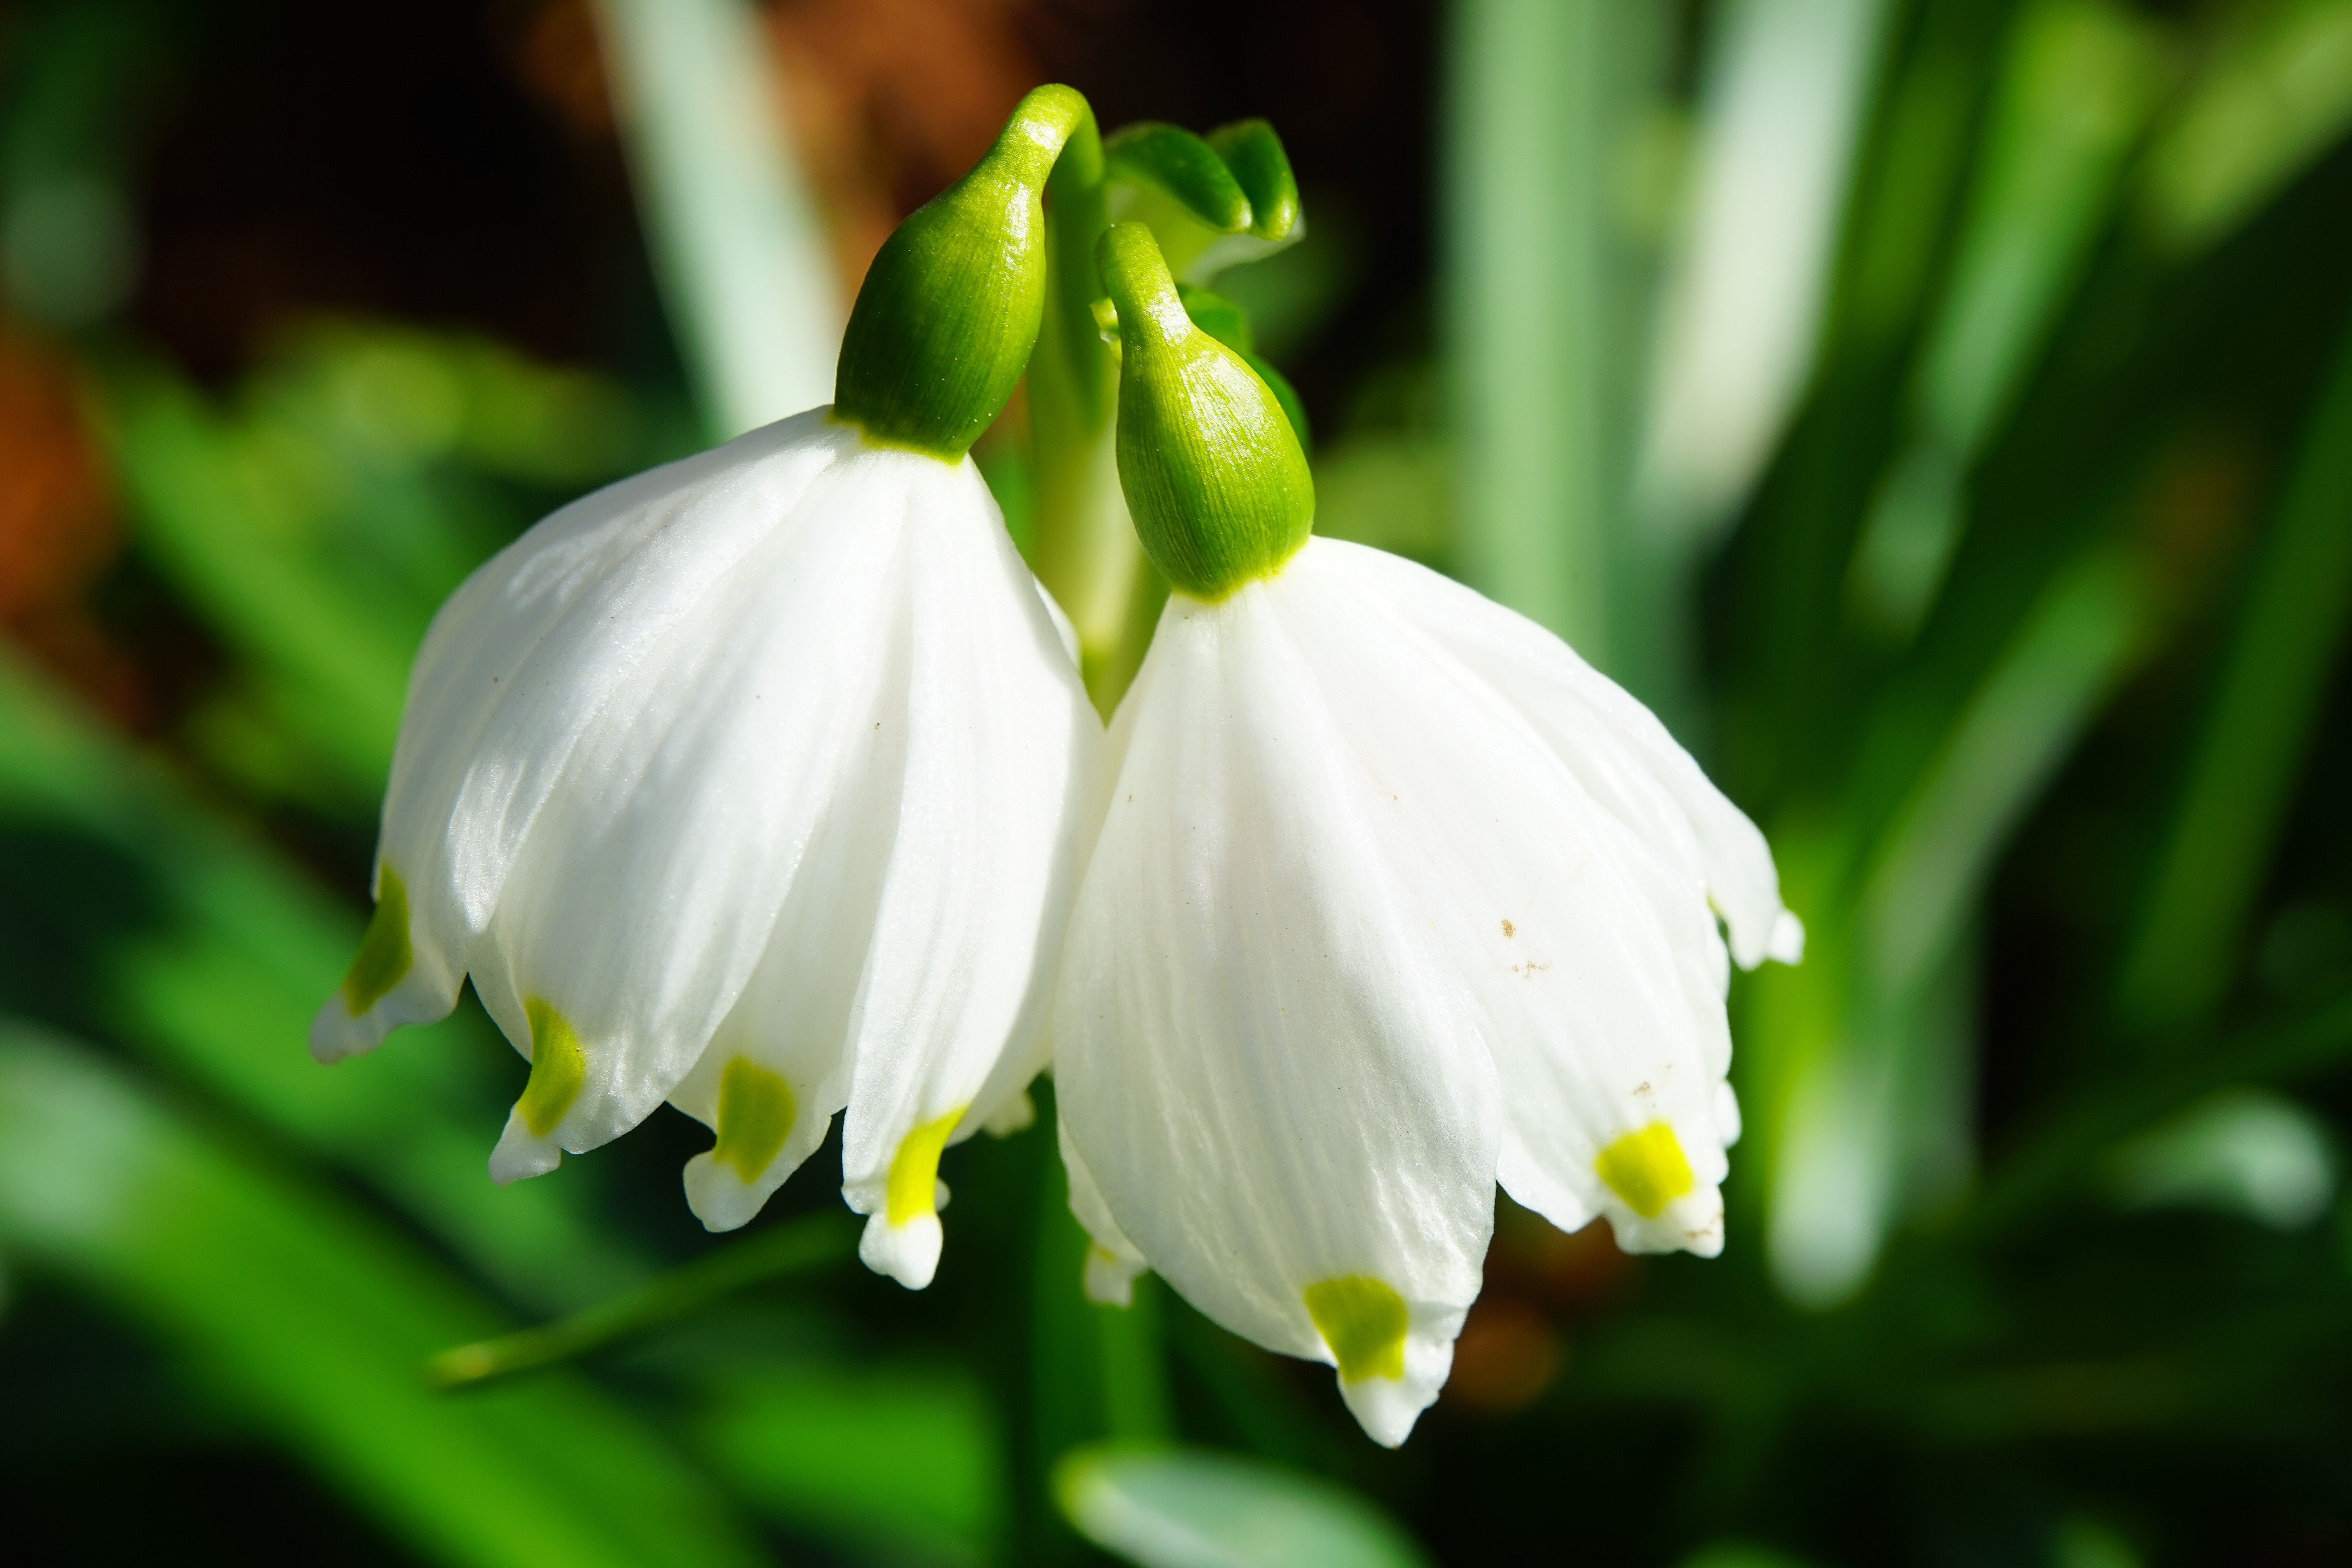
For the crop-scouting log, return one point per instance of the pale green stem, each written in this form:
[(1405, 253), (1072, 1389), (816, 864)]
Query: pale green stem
[(1536, 117), (736, 239), (1086, 553), (800, 1247)]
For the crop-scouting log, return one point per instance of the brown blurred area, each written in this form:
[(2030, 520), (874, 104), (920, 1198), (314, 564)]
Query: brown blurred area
[(59, 529)]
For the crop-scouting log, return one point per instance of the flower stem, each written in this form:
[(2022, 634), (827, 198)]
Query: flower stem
[(779, 1252)]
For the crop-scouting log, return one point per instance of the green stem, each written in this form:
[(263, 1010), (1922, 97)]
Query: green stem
[(1087, 552), (800, 1247)]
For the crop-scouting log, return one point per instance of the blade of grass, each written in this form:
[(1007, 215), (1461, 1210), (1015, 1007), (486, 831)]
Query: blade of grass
[(2283, 650), (1540, 104), (736, 239), (1786, 93), (205, 951), (315, 1319), (1834, 1132)]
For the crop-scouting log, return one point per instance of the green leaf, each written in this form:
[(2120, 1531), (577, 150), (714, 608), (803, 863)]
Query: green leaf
[(2274, 683), (138, 917), (317, 1320), (738, 241), (2275, 96), (2078, 85), (1190, 1507), (909, 1458)]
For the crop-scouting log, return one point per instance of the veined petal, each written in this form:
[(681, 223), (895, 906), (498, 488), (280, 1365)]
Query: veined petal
[(509, 680), (1002, 756), (1615, 746), (1272, 1076), (646, 889), (1595, 958), (778, 1068)]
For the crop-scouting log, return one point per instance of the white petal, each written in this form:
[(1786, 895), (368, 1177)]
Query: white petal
[(1594, 960), (646, 888), (1274, 1078), (1003, 754), (1616, 747), (712, 759), (778, 1068), (508, 677), (1112, 1260)]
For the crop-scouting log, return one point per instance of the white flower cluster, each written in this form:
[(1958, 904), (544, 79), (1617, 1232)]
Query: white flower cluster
[(765, 783)]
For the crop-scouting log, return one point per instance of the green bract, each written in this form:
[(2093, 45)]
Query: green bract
[(950, 309), (1213, 473)]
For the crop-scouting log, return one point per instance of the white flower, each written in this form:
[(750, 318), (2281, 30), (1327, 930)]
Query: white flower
[(1396, 897), (750, 782)]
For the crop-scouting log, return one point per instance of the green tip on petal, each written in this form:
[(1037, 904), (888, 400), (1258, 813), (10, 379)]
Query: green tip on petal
[(1214, 476), (1364, 1321), (950, 309), (385, 956)]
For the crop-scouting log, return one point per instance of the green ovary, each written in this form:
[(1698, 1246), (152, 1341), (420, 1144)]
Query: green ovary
[(385, 956), (755, 1117), (1647, 1169), (915, 1169), (559, 1066), (1363, 1321)]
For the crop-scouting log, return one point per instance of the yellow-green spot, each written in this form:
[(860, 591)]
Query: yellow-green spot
[(915, 1169), (384, 955), (559, 1064), (1363, 1321), (755, 1115), (1647, 1169)]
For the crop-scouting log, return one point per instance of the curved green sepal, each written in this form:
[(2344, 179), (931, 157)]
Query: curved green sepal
[(950, 309), (1214, 476), (1181, 166), (1255, 155)]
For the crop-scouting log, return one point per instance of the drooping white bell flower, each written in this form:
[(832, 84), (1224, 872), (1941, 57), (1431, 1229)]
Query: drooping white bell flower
[(1395, 897), (758, 782)]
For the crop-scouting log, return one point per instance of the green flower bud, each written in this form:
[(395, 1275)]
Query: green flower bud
[(1212, 470), (950, 309)]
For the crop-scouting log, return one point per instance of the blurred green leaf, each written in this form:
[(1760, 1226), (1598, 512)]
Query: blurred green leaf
[(755, 299), (2276, 92), (1542, 289), (2288, 634), (1831, 1116), (908, 1460), (316, 1320), (208, 954), (2079, 83), (318, 524), (2243, 1151), (1192, 1507)]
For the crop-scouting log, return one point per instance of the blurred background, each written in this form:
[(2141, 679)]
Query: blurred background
[(1939, 410)]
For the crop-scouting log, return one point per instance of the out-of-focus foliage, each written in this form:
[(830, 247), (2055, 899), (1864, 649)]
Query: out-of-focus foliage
[(1997, 555)]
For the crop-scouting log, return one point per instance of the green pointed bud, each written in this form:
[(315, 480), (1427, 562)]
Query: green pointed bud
[(1214, 477), (950, 309)]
